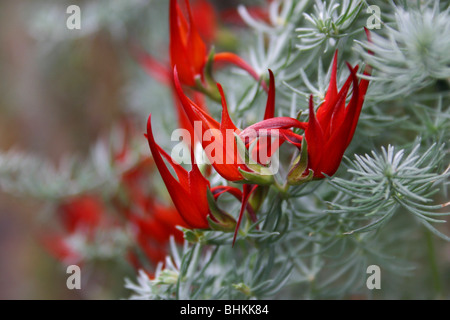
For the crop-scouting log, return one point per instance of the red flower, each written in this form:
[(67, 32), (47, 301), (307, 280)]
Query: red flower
[(331, 129), (228, 161), (153, 223), (205, 18), (81, 214), (188, 52), (154, 229), (187, 49), (277, 127), (57, 245), (163, 74), (243, 196), (230, 164), (189, 192)]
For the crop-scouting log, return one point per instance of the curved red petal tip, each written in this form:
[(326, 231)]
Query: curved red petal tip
[(335, 59), (353, 71), (223, 100), (219, 87), (176, 82), (247, 192), (219, 190), (270, 106), (335, 56), (226, 122), (175, 74), (349, 66), (311, 106)]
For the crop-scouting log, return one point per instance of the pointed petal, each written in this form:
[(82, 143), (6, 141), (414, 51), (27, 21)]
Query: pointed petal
[(171, 183), (270, 105), (194, 216), (197, 48), (273, 123), (182, 174), (339, 110), (332, 90), (206, 19), (219, 190), (363, 85), (178, 51), (338, 143), (314, 137), (187, 49), (248, 190), (226, 122), (334, 110), (193, 112)]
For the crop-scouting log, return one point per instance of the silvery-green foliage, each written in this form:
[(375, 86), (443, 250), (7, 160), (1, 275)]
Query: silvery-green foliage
[(386, 182), (329, 22), (24, 174), (411, 52)]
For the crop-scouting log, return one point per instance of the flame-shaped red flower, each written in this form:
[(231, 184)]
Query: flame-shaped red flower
[(231, 166), (187, 49), (188, 52), (331, 129), (189, 192)]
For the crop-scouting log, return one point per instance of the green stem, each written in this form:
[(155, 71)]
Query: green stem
[(282, 189), (209, 90), (433, 263)]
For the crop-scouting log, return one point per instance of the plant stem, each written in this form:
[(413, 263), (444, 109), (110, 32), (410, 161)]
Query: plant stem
[(433, 263), (282, 189), (210, 90)]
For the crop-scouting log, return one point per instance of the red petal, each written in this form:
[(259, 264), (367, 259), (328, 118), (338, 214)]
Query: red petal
[(273, 123), (191, 212), (338, 111), (363, 85), (187, 50), (331, 94), (226, 122), (189, 106), (219, 190), (182, 174), (197, 48), (337, 144), (205, 18), (178, 50), (270, 105), (314, 137), (248, 190)]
